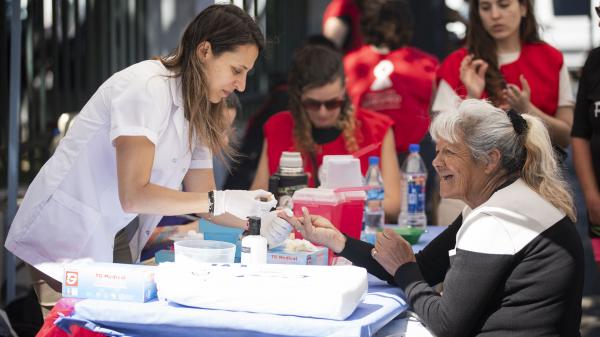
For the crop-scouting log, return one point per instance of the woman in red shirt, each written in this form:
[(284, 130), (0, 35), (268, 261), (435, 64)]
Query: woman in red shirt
[(388, 76), (322, 121), (506, 61), (341, 24)]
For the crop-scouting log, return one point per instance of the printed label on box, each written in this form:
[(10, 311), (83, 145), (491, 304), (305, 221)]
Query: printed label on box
[(71, 278), (280, 256), (110, 281)]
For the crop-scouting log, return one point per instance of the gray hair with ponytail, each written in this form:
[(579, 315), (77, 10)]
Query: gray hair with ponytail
[(527, 154)]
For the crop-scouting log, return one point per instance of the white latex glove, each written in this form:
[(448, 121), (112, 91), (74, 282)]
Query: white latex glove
[(243, 204), (274, 229)]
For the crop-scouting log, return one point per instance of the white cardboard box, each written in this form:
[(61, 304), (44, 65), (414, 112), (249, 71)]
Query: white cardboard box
[(109, 281), (281, 256)]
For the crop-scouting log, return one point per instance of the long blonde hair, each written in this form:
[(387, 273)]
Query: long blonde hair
[(529, 155), (225, 27), (541, 170)]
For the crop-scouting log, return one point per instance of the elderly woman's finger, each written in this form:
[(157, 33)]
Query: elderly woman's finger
[(389, 234), (307, 221), (379, 242)]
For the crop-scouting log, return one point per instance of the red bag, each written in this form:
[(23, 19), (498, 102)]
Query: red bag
[(64, 307)]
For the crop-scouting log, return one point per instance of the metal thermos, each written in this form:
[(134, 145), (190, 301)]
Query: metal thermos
[(288, 179)]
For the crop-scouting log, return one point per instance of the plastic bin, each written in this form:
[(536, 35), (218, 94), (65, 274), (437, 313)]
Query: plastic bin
[(340, 171), (343, 209)]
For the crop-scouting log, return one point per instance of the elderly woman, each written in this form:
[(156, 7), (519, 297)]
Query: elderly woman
[(512, 263)]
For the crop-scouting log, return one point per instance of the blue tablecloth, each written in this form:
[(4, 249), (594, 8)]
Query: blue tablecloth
[(159, 318), (382, 304), (430, 234)]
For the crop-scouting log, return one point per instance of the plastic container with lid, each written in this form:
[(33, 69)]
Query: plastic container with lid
[(340, 171), (343, 209)]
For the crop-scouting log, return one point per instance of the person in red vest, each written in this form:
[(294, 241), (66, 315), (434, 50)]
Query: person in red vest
[(389, 77), (506, 61), (341, 24), (322, 121)]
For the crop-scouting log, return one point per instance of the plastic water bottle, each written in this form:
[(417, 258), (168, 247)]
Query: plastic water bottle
[(414, 176), (374, 214)]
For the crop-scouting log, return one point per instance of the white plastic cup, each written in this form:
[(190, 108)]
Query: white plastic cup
[(204, 251)]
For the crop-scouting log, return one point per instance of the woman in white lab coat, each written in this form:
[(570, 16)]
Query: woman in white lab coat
[(147, 129)]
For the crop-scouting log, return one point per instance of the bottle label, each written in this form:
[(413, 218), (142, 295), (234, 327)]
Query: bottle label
[(284, 195), (246, 250), (416, 194), (375, 194)]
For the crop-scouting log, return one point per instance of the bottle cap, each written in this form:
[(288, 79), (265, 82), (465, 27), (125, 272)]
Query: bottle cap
[(254, 225), (290, 159), (373, 160), (413, 148)]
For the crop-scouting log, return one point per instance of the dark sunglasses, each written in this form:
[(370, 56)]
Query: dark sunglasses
[(314, 105), (597, 8)]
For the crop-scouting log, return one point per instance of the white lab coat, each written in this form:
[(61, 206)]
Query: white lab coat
[(72, 210)]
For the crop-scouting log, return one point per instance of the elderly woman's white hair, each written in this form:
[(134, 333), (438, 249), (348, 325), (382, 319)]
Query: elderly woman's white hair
[(528, 154)]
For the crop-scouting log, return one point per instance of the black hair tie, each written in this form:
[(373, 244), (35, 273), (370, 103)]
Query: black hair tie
[(518, 122)]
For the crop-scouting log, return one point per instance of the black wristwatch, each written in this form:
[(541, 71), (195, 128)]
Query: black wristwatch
[(211, 202)]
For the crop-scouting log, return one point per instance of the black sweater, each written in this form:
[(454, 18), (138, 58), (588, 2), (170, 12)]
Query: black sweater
[(511, 267)]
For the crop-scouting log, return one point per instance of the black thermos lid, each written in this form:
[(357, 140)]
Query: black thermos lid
[(254, 225)]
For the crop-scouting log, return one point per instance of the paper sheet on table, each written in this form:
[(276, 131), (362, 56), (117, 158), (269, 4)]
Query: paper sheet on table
[(330, 292)]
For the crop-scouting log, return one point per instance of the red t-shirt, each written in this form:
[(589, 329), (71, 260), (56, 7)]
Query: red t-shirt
[(398, 84), (349, 12), (371, 129), (539, 62)]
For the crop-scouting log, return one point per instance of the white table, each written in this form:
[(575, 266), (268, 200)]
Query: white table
[(382, 303)]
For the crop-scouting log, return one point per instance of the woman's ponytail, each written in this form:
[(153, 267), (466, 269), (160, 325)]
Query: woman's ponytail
[(541, 170)]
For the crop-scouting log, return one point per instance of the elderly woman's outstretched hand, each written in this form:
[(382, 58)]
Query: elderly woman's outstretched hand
[(316, 229), (392, 251)]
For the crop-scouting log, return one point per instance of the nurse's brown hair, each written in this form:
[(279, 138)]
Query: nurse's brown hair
[(225, 27)]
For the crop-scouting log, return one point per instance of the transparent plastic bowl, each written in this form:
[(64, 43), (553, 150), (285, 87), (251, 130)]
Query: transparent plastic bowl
[(204, 251)]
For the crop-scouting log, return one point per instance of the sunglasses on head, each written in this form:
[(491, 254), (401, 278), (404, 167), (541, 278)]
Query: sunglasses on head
[(313, 104)]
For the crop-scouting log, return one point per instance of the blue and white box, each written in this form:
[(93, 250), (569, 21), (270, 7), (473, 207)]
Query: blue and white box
[(109, 281), (279, 255)]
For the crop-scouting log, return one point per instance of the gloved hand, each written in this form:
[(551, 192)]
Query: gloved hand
[(243, 204), (274, 228)]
